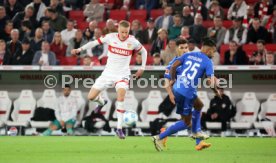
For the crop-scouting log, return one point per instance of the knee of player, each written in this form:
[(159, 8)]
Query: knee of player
[(199, 106), (187, 122)]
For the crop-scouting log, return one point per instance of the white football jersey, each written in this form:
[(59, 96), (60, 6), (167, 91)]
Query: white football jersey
[(119, 53)]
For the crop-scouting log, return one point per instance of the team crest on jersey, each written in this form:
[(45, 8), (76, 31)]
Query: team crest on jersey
[(129, 45)]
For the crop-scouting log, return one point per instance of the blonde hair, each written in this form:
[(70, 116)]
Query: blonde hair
[(124, 23), (60, 42)]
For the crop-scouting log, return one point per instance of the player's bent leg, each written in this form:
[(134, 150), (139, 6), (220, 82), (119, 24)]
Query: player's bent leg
[(94, 95), (196, 121), (55, 125), (69, 126), (120, 109)]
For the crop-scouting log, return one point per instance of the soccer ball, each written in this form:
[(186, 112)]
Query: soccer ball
[(130, 118)]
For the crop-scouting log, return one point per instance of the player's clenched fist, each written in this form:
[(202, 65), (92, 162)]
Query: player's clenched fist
[(75, 51)]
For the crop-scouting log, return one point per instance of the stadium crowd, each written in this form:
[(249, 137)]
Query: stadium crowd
[(43, 32)]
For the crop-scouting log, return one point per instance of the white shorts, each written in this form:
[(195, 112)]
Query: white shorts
[(104, 82)]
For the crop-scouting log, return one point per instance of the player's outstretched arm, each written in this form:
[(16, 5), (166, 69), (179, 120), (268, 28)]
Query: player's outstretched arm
[(169, 90), (144, 54), (88, 45), (173, 71), (212, 82)]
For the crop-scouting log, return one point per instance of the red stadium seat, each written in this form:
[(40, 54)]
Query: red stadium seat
[(223, 49), (155, 13), (76, 15), (82, 25), (69, 61), (101, 25), (271, 47), (144, 24), (118, 15), (141, 15), (251, 2), (208, 23), (249, 48), (147, 47), (149, 60), (225, 10), (227, 23), (104, 60)]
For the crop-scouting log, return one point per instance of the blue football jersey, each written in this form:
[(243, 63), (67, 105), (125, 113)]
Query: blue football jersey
[(193, 67), (168, 68)]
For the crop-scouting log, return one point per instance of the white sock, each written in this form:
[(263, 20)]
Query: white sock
[(120, 112), (99, 100)]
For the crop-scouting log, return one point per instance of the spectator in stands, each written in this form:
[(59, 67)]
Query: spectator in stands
[(177, 7), (197, 7), (27, 14), (56, 5), (25, 2), (259, 57), (48, 33), (138, 59), (221, 110), (257, 32), (110, 27), (197, 31), (175, 30), (58, 47), (87, 61), (27, 55), (169, 53), (248, 18), (89, 32), (136, 30), (235, 55), (75, 43), (13, 49), (215, 10), (57, 22), (3, 18), (39, 8), (6, 33), (217, 32), (100, 50), (237, 32), (37, 40), (263, 9), (161, 42), (216, 58), (68, 33), (192, 46), (157, 60), (2, 50), (26, 30), (13, 7), (270, 22), (150, 33), (185, 33), (270, 58), (165, 21), (94, 11), (238, 9), (187, 17), (44, 57), (66, 113)]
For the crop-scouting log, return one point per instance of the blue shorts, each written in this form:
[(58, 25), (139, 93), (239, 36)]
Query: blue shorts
[(184, 105)]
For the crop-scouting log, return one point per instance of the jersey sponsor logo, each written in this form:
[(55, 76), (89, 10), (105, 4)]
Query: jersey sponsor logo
[(119, 51)]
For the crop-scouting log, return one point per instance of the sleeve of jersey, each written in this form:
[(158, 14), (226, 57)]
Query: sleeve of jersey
[(209, 69), (144, 54), (94, 43), (167, 73), (181, 59)]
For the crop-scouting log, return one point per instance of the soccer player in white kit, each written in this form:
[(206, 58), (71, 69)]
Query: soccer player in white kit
[(121, 46)]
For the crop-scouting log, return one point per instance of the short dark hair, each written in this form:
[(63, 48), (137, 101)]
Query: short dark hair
[(67, 86), (207, 41), (52, 10), (261, 42), (181, 41)]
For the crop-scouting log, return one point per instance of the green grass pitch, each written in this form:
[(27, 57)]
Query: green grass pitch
[(94, 149)]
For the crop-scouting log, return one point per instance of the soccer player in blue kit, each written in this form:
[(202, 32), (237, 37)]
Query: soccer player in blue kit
[(189, 68)]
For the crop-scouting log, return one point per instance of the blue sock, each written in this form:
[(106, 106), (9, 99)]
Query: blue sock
[(196, 126), (197, 141), (178, 126)]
